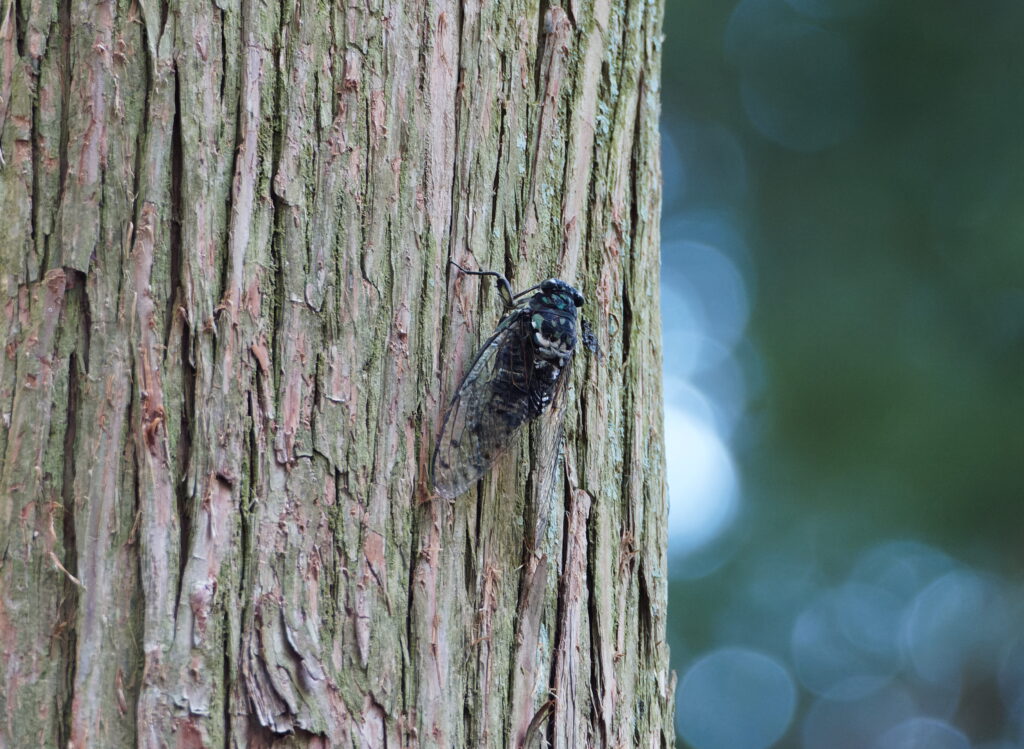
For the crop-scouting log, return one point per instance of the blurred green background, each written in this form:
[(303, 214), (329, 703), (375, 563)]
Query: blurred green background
[(843, 301)]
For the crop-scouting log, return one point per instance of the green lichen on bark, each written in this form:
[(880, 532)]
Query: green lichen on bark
[(229, 333)]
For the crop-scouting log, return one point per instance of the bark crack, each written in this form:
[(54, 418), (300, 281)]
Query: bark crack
[(456, 128), (175, 302), (69, 604), (278, 217), (560, 609), (634, 222), (497, 159), (64, 23), (140, 143), (226, 659), (19, 32), (42, 253), (224, 62), (183, 488)]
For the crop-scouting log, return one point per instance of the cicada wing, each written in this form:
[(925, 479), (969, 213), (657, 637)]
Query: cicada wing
[(490, 406)]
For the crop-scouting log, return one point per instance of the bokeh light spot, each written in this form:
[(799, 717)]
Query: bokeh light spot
[(735, 699), (901, 567), (923, 733), (958, 620), (702, 481), (845, 644), (716, 297), (801, 85), (831, 8), (857, 724), (1011, 680)]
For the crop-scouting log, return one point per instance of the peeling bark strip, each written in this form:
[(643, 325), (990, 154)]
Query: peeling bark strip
[(228, 332)]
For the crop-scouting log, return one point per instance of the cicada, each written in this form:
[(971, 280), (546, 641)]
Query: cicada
[(519, 373)]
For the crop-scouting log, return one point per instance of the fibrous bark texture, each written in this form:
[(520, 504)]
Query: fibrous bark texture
[(229, 333)]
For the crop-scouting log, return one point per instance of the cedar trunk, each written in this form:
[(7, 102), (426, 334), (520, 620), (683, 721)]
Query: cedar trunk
[(230, 330)]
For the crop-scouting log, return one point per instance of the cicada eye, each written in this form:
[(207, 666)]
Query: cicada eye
[(577, 298)]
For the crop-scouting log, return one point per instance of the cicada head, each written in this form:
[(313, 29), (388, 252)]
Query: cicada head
[(553, 318), (558, 294)]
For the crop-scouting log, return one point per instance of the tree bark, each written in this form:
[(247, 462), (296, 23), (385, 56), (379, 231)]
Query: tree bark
[(230, 332)]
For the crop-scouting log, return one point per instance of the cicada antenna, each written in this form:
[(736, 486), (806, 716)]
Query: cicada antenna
[(504, 287), (524, 292)]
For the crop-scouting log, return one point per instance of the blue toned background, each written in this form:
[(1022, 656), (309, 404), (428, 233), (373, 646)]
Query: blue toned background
[(843, 299)]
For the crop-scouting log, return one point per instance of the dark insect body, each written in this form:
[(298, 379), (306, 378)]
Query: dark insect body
[(516, 376)]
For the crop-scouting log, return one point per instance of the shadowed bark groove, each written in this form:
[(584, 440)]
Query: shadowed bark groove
[(229, 333)]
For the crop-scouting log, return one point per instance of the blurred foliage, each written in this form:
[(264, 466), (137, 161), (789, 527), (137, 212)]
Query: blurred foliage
[(889, 305), (879, 189)]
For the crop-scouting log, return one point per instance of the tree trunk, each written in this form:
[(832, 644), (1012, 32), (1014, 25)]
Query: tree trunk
[(230, 331)]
